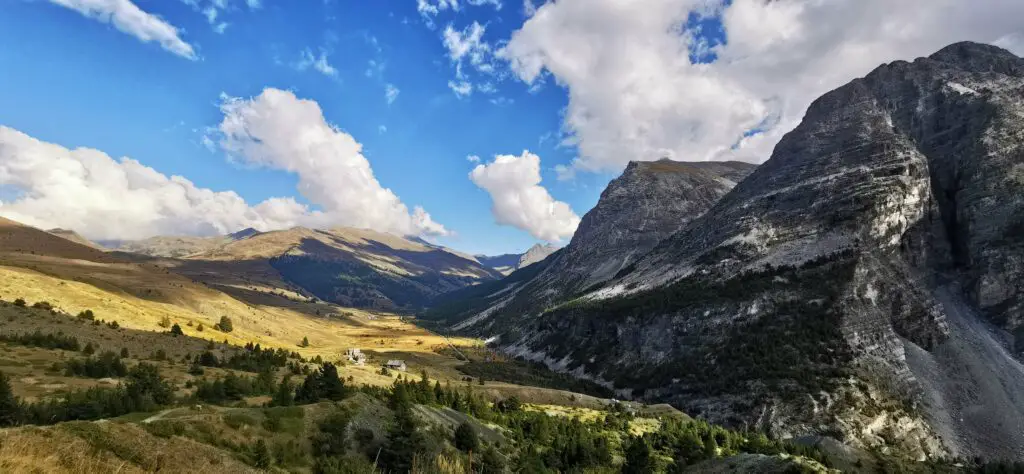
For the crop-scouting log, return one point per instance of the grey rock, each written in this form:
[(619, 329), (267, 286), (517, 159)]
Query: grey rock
[(866, 282)]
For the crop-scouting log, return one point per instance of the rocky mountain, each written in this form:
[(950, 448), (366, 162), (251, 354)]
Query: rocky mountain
[(864, 283), (647, 203), (510, 262), (535, 254)]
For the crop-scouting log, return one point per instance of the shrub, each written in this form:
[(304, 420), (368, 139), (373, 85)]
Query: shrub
[(88, 349), (466, 438), (113, 325), (305, 342), (225, 324), (200, 327), (165, 322), (124, 352), (176, 330), (19, 302), (87, 315), (43, 305)]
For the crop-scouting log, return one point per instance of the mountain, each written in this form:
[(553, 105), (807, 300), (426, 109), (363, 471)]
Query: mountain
[(864, 282), (179, 246), (505, 263), (535, 254), (74, 237), (647, 203), (510, 262), (350, 267)]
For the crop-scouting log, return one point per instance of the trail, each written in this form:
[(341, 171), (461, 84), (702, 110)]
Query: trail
[(973, 386), (159, 416)]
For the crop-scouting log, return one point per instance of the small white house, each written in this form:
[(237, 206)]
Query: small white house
[(356, 356), (396, 365)]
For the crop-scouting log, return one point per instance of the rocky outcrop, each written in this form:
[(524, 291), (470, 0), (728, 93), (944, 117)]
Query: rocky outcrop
[(647, 203), (793, 303), (535, 254)]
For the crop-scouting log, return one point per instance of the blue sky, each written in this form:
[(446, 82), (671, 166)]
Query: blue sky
[(78, 82), (242, 97)]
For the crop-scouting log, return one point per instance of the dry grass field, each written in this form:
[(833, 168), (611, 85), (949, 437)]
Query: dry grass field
[(139, 295)]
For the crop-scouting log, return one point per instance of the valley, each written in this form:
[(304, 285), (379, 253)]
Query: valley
[(852, 304)]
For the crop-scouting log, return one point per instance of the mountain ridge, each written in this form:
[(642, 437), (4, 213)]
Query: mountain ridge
[(890, 215)]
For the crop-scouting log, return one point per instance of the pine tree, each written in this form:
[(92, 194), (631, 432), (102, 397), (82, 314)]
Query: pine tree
[(261, 455), (283, 397), (404, 441), (466, 438), (176, 330), (10, 406), (638, 457)]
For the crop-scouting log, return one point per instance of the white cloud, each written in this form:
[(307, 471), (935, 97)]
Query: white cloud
[(468, 44), (473, 159), (130, 19), (635, 95), (461, 88), (318, 63), (382, 129), (278, 130), (103, 198), (494, 3), (520, 201), (391, 93)]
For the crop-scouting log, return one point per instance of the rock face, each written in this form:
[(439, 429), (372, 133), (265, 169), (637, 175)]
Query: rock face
[(866, 282), (535, 254), (647, 203)]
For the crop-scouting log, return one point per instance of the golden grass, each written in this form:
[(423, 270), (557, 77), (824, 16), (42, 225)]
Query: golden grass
[(84, 447)]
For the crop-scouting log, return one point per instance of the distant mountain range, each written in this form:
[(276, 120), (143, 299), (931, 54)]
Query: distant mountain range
[(510, 262), (865, 283)]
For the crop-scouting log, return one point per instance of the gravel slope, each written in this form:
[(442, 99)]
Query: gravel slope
[(973, 387)]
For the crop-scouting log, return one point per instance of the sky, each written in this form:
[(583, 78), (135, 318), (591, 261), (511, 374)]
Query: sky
[(483, 125)]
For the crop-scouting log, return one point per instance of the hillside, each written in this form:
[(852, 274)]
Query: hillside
[(350, 267), (862, 283)]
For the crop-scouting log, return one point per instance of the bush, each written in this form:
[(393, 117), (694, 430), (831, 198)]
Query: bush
[(225, 324), (43, 305), (466, 438), (19, 302), (87, 315), (124, 352), (305, 342), (200, 327), (88, 349), (113, 325), (176, 331), (165, 322)]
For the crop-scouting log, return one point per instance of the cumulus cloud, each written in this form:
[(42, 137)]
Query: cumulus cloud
[(278, 130), (473, 158), (520, 201), (645, 83), (129, 18), (103, 198)]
